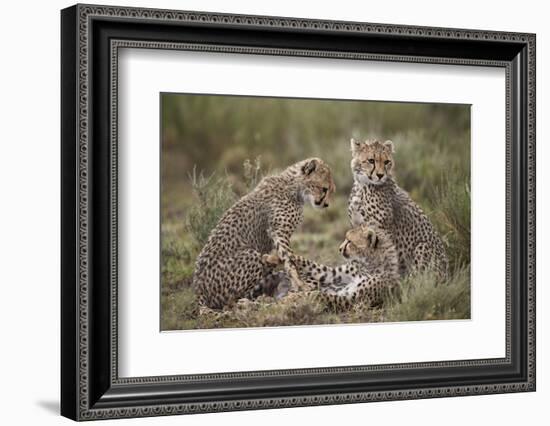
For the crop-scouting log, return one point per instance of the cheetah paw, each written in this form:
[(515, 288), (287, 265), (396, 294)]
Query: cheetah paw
[(271, 260)]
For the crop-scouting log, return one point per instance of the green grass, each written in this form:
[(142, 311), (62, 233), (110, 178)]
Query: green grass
[(419, 298), (452, 218), (214, 196), (215, 149), (422, 298)]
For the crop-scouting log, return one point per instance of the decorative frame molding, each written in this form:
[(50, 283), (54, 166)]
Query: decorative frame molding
[(91, 37)]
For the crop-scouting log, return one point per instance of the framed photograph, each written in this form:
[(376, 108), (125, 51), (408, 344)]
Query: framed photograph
[(263, 212)]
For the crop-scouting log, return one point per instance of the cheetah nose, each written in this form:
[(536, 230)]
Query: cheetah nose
[(380, 175)]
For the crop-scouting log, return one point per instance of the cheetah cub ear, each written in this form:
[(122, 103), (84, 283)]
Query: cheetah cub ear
[(309, 167), (372, 238), (355, 145), (388, 145)]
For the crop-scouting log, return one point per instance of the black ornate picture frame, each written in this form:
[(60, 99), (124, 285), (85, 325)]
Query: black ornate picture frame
[(90, 385)]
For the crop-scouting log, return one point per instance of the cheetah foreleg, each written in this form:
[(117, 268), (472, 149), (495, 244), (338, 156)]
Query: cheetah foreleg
[(284, 253)]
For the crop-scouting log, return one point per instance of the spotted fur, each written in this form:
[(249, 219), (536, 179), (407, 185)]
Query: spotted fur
[(234, 262), (372, 270), (376, 199)]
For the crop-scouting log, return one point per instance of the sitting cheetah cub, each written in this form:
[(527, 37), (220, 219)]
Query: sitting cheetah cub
[(372, 269), (236, 261), (376, 199)]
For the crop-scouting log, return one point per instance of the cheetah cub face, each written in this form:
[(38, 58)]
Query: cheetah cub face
[(317, 182), (372, 161), (360, 242)]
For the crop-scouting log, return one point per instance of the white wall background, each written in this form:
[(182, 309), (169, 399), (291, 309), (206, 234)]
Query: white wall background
[(29, 211)]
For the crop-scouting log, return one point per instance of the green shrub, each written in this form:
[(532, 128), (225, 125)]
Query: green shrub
[(452, 218), (214, 196), (421, 298), (182, 239)]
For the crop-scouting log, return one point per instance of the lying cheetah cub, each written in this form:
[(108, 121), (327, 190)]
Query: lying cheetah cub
[(235, 261), (376, 199), (372, 269)]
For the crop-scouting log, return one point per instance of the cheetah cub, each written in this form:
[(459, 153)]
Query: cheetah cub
[(236, 261), (376, 199), (371, 270)]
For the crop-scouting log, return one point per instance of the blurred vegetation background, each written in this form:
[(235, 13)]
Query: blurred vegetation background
[(216, 148)]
